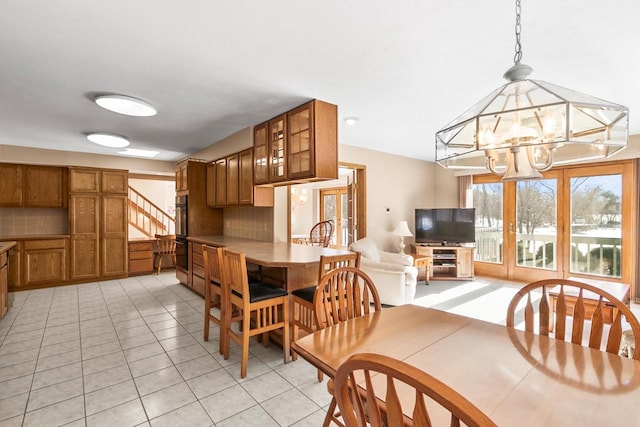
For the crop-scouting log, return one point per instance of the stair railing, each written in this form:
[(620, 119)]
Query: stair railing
[(145, 216)]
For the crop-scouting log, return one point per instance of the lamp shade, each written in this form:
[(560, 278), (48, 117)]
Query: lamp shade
[(402, 229)]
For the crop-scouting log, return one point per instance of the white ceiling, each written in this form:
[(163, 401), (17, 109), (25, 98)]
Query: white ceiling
[(405, 68)]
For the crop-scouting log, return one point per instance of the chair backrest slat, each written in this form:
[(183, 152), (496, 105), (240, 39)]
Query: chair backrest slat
[(329, 262), (212, 262), (602, 300), (166, 244), (235, 275), (360, 405), (342, 294)]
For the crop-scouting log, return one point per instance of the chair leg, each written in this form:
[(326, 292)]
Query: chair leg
[(294, 338), (320, 374), (207, 310), (245, 347), (286, 338), (331, 414), (159, 264)]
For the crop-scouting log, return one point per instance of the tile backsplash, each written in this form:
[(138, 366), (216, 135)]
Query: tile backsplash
[(33, 221), (249, 223)]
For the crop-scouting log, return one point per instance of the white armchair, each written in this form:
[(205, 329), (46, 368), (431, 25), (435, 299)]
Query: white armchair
[(393, 274)]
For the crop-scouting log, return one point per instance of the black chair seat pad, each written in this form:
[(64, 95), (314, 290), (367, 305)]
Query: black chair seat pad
[(305, 293), (260, 292)]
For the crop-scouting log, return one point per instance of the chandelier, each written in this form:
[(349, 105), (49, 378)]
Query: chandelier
[(526, 126)]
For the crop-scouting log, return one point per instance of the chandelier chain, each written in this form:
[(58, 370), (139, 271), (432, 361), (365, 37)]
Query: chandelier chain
[(518, 55)]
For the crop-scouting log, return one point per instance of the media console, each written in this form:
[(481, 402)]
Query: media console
[(448, 262)]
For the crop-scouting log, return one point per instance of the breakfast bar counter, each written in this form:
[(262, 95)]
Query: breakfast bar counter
[(296, 266)]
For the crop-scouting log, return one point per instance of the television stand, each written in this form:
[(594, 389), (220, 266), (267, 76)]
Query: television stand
[(448, 262)]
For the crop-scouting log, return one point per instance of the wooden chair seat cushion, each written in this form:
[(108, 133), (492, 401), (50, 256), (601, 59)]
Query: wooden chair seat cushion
[(305, 293), (260, 291)]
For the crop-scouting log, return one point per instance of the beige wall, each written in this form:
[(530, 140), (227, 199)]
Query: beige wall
[(238, 141), (399, 184)]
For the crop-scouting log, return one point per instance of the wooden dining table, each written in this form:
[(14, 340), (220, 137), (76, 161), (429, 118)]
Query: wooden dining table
[(515, 377)]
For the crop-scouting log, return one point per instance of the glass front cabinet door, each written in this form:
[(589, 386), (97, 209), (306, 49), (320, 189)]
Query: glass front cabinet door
[(277, 149)]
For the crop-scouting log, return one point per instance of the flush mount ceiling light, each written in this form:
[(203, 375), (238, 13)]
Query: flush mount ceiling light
[(351, 120), (126, 105), (138, 153), (525, 126), (108, 140)]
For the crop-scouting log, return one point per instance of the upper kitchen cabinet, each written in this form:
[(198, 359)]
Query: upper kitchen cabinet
[(182, 183), (260, 149), (32, 186), (312, 138), (11, 185), (45, 187), (301, 145), (277, 149)]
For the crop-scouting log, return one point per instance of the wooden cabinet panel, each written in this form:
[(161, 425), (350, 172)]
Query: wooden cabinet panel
[(4, 290), (448, 262), (45, 262), (233, 175), (300, 150), (114, 238), (221, 182), (11, 185), (84, 218), (14, 280), (44, 187), (211, 184), (115, 181), (260, 148), (277, 149), (245, 178), (84, 180)]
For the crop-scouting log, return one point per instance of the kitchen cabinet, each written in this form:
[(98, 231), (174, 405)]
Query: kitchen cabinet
[(11, 184), (140, 257), (301, 145), (221, 182), (182, 181), (44, 262), (245, 177), (260, 149), (44, 187), (32, 186), (4, 290), (98, 219), (211, 184), (14, 279), (196, 268), (277, 149), (233, 175), (230, 182)]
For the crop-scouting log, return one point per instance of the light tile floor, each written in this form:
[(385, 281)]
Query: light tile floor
[(131, 352)]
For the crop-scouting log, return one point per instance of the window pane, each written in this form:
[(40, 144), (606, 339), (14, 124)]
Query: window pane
[(487, 199), (596, 234), (536, 227)]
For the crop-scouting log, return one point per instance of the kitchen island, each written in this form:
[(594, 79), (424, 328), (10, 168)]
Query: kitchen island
[(289, 265), (4, 269)]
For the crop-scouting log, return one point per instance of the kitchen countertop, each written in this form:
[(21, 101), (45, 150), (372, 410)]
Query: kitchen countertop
[(270, 254), (5, 246), (35, 237)]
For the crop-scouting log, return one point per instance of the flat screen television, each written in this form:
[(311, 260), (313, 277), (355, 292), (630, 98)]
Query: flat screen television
[(445, 225)]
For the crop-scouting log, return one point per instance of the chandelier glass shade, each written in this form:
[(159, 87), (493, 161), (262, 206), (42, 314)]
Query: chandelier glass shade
[(527, 126)]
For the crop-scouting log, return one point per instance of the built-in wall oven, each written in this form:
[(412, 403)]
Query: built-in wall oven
[(182, 257)]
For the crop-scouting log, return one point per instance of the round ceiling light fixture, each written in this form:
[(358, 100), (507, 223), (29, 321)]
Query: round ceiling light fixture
[(126, 105), (108, 140), (351, 121)]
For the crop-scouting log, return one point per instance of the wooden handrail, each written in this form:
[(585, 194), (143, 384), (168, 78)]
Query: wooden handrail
[(148, 217)]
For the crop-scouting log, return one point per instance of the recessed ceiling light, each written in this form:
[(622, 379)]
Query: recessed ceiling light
[(138, 153), (126, 105), (351, 120), (108, 140)]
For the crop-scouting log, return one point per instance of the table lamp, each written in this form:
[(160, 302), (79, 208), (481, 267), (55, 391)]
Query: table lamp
[(403, 231)]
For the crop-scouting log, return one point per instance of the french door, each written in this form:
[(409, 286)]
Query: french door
[(334, 206), (576, 221)]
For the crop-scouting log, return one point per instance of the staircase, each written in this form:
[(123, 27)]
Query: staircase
[(147, 217)]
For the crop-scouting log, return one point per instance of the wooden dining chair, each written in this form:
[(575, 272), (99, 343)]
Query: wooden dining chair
[(342, 294), (355, 391), (165, 245), (304, 317), (212, 290), (580, 314), (320, 234), (261, 308)]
